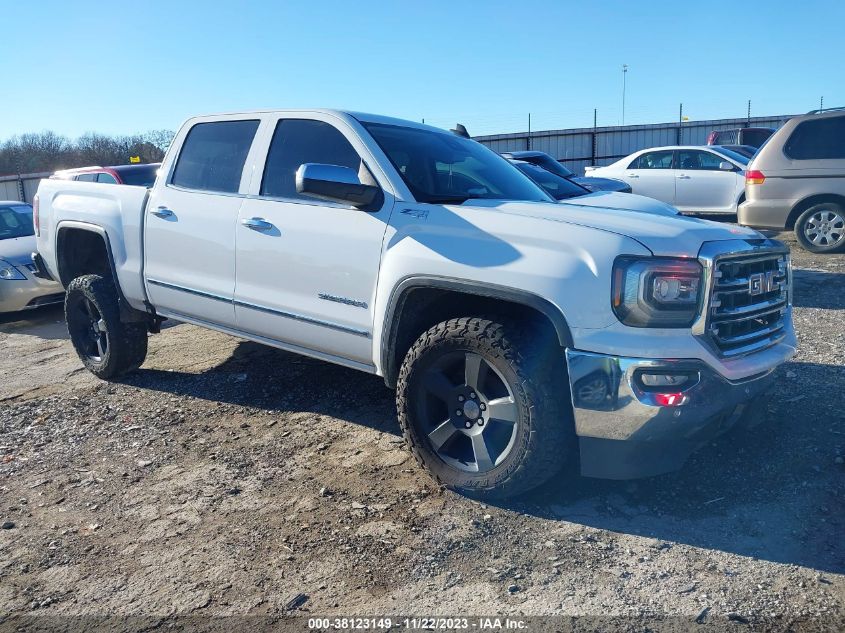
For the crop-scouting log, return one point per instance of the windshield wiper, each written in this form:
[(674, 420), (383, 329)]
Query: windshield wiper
[(451, 199)]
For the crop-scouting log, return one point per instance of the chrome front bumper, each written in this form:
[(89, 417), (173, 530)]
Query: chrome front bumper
[(627, 430)]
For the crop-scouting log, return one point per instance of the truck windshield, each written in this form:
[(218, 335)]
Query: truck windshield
[(442, 168), (16, 221)]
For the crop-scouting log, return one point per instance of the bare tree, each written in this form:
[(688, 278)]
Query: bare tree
[(160, 138), (48, 151)]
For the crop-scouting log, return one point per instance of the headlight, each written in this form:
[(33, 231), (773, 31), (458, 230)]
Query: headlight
[(7, 271), (656, 291)]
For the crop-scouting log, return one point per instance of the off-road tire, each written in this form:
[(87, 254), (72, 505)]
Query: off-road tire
[(532, 362), (801, 227), (126, 346)]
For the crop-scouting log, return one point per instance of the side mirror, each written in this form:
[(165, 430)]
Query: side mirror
[(726, 166), (334, 183)]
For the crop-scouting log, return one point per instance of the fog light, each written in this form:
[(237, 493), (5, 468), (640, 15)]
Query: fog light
[(664, 380)]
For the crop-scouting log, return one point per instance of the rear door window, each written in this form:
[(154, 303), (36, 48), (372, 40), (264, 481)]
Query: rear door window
[(87, 177), (213, 156), (653, 160), (106, 178), (817, 139), (697, 159)]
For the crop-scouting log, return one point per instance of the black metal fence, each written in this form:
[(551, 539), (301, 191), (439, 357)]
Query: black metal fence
[(579, 147)]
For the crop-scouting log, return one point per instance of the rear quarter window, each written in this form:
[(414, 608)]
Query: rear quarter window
[(817, 139), (213, 156)]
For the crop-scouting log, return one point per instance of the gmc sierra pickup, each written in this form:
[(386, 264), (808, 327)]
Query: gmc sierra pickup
[(520, 334)]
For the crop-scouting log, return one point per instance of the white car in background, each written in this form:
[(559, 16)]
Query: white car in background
[(693, 179)]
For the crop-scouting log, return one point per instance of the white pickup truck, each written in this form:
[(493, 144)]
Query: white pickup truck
[(521, 335)]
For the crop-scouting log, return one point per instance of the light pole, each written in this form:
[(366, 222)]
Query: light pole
[(624, 77)]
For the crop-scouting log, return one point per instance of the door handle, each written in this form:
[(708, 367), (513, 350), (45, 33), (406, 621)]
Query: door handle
[(163, 212), (633, 176), (683, 177), (257, 224)]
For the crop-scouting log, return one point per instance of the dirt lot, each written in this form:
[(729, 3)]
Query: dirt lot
[(224, 478)]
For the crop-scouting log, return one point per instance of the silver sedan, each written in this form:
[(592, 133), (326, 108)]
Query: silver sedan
[(20, 289)]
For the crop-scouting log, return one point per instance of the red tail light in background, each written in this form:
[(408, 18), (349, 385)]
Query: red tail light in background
[(35, 216), (754, 177), (670, 399)]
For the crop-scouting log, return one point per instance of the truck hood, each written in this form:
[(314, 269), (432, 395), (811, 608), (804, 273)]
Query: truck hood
[(664, 235), (18, 250), (622, 202)]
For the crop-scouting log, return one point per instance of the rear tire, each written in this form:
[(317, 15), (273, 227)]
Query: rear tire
[(106, 346), (821, 228), (483, 405)]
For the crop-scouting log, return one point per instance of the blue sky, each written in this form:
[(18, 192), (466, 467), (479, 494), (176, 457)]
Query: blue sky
[(126, 67)]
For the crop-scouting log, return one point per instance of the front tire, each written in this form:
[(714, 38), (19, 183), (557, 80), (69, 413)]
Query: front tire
[(483, 406), (106, 346), (821, 228)]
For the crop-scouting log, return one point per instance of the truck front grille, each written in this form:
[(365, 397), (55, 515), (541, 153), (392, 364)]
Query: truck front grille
[(748, 303)]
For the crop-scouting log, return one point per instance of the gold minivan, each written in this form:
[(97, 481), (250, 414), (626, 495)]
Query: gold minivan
[(796, 180)]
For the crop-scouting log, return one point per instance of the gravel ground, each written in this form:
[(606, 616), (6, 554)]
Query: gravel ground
[(224, 478)]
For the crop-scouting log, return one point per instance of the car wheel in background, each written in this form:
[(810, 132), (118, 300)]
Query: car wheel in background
[(592, 390), (821, 228), (107, 347), (483, 406)]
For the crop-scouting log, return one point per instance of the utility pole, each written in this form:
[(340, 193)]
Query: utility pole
[(529, 131), (624, 82), (748, 115), (595, 136), (681, 124), (821, 104), (21, 190)]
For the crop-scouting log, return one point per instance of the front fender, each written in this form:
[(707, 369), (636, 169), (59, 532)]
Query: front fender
[(562, 269)]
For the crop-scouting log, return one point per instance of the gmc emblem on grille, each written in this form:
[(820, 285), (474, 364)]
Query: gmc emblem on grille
[(760, 283)]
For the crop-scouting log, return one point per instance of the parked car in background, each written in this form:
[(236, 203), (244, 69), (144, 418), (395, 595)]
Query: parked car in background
[(567, 192), (744, 150), (694, 179), (550, 164), (753, 136), (797, 181), (427, 259), (20, 288), (136, 175)]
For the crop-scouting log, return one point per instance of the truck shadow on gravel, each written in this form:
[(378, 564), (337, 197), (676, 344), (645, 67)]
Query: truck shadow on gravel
[(273, 380), (773, 493)]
